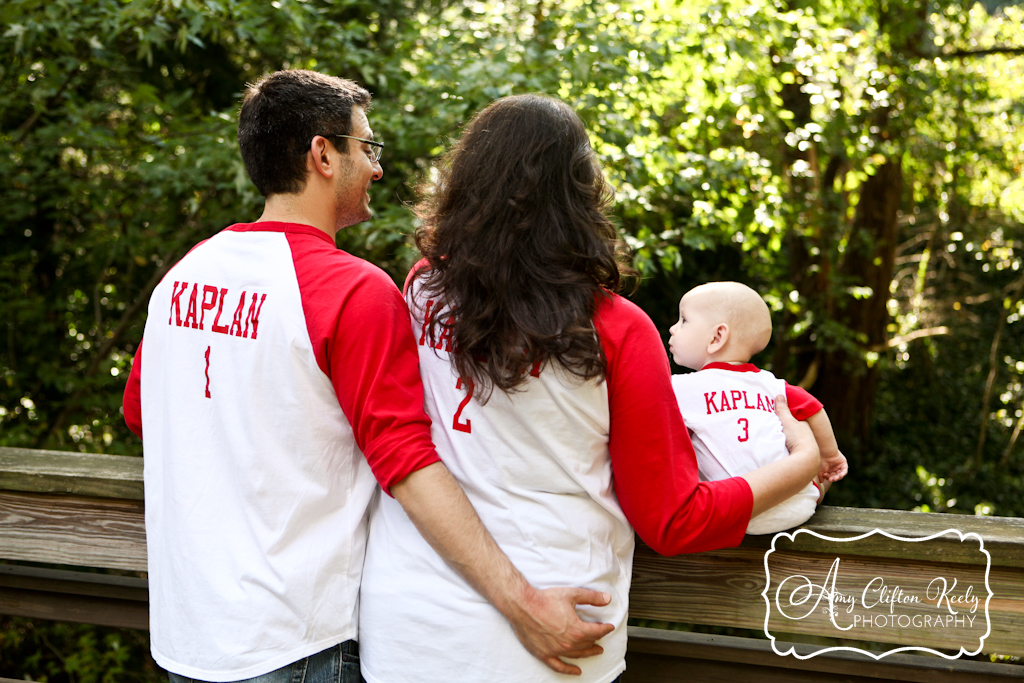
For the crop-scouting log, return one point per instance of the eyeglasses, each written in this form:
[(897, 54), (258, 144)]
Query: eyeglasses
[(376, 148)]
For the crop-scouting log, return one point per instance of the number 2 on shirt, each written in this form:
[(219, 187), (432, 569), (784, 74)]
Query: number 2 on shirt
[(742, 422), (466, 426)]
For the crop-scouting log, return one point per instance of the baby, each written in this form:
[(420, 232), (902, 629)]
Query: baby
[(729, 405)]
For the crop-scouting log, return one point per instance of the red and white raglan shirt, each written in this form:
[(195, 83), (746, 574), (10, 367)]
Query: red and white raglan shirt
[(280, 384), (730, 411), (561, 473)]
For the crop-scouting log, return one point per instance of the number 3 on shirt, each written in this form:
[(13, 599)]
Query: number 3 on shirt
[(466, 426), (742, 422)]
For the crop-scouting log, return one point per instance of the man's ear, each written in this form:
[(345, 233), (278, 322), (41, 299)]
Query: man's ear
[(318, 160), (720, 339)]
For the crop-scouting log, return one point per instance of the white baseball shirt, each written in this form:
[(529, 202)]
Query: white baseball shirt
[(558, 472), (278, 371)]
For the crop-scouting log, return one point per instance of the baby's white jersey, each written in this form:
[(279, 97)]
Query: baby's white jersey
[(730, 412)]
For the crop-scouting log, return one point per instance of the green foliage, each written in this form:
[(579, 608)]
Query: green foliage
[(929, 415), (743, 140), (738, 137), (76, 653)]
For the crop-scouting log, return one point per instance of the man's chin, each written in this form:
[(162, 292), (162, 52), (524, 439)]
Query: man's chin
[(349, 221)]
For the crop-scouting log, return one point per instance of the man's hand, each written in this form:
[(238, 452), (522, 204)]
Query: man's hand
[(545, 621), (547, 625)]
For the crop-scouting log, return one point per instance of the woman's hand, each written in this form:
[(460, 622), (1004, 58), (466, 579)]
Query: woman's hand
[(785, 478)]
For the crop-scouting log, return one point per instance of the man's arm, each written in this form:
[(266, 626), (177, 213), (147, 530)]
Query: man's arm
[(785, 478), (545, 621), (132, 404)]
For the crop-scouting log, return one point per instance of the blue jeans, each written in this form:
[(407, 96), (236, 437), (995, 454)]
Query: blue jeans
[(338, 664)]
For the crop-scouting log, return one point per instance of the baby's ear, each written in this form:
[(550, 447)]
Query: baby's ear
[(720, 339)]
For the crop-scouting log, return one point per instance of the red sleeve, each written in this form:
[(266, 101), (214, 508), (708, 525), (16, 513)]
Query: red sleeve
[(133, 395), (362, 338), (801, 403), (653, 463), (416, 269)]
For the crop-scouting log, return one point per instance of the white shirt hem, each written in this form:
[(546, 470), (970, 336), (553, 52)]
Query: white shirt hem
[(254, 670)]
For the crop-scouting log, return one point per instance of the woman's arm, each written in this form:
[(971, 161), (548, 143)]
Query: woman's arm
[(653, 462)]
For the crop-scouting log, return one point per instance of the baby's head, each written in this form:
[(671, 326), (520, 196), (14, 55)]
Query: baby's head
[(719, 321)]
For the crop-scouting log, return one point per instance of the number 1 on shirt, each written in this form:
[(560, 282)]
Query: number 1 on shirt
[(207, 372)]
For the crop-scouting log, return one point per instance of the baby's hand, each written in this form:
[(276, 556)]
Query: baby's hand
[(833, 468)]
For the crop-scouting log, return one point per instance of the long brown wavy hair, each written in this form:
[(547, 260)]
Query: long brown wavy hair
[(519, 245)]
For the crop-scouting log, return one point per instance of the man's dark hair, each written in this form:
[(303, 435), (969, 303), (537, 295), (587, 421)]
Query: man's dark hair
[(280, 115), (519, 245)]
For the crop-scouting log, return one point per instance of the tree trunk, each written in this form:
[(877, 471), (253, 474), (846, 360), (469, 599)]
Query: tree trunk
[(845, 384)]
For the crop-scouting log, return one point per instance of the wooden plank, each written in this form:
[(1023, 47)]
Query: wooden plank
[(81, 597), (720, 588), (82, 474), (80, 609), (657, 656), (73, 531), (111, 476), (642, 667), (724, 588), (1003, 536), (1005, 610), (74, 582)]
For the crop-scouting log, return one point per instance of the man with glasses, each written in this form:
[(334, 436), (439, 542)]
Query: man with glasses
[(281, 385)]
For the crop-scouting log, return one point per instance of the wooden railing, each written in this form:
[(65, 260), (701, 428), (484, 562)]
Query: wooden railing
[(83, 513)]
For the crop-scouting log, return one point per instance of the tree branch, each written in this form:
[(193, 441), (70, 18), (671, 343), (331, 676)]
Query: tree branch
[(141, 302), (1005, 460), (986, 396), (1014, 292), (916, 334), (104, 351), (25, 128), (960, 54)]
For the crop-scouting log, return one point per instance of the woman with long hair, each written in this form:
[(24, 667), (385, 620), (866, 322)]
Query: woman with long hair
[(551, 403)]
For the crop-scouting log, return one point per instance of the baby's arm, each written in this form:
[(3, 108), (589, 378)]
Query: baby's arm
[(833, 462)]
